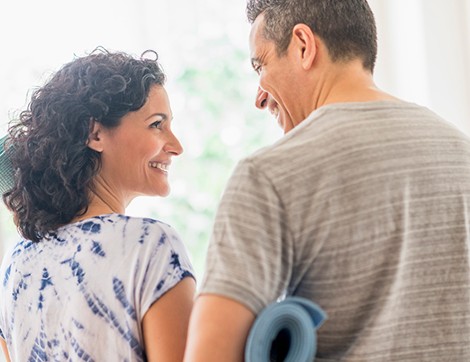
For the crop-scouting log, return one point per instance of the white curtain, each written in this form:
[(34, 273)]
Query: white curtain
[(424, 54)]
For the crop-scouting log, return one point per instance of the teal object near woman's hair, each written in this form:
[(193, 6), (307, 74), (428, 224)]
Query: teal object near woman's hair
[(285, 331), (6, 168)]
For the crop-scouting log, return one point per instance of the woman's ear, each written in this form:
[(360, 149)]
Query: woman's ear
[(305, 41), (94, 140)]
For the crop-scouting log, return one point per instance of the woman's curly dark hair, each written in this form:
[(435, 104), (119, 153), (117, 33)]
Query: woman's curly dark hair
[(54, 167)]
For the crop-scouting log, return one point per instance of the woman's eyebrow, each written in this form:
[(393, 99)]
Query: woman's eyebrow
[(163, 115)]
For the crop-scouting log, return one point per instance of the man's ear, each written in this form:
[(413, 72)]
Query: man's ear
[(305, 41), (95, 142)]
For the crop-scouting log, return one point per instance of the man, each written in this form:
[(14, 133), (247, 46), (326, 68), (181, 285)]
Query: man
[(363, 206)]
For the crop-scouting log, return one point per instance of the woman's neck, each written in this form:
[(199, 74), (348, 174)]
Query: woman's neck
[(102, 201)]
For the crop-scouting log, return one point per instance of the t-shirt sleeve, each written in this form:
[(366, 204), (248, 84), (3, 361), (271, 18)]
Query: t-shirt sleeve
[(166, 264), (250, 253)]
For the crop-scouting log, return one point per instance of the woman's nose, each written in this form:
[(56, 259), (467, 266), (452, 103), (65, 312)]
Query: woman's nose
[(261, 99), (173, 146)]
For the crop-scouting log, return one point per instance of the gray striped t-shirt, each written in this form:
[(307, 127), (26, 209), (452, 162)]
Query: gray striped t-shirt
[(363, 208)]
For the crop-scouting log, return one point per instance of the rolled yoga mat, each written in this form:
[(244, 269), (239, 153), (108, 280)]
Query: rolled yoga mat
[(6, 169), (285, 331)]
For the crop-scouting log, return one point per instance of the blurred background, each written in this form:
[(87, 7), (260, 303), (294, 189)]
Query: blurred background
[(424, 57)]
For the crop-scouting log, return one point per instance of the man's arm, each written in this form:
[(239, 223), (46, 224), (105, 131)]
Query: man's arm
[(218, 330)]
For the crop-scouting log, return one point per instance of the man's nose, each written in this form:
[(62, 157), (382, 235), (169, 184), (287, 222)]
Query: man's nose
[(261, 99)]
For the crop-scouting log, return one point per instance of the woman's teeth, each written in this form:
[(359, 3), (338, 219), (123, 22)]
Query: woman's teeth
[(160, 166)]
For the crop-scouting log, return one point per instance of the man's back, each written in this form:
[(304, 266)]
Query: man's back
[(371, 202)]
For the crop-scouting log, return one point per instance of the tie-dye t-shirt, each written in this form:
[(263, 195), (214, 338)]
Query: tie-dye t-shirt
[(82, 294)]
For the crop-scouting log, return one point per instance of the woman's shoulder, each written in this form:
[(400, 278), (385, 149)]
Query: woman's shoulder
[(121, 237), (121, 229), (144, 225), (109, 222)]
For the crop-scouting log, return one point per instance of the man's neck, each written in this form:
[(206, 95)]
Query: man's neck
[(345, 83)]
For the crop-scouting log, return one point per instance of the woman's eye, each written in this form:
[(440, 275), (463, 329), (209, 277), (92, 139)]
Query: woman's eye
[(157, 124)]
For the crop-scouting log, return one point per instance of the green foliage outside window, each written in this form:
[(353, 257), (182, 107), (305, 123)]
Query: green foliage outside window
[(221, 120)]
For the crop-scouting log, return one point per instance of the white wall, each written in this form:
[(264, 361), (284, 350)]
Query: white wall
[(424, 54)]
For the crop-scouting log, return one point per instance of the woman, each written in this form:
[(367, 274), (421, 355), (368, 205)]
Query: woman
[(87, 282)]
